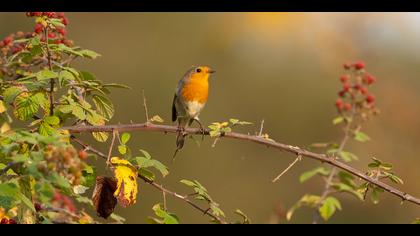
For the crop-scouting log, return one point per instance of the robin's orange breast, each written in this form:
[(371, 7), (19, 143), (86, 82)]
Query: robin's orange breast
[(196, 90)]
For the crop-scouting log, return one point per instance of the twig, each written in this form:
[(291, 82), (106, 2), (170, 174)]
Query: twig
[(52, 81), (261, 128), (155, 185), (250, 138), (288, 168), (145, 107), (114, 134), (164, 201)]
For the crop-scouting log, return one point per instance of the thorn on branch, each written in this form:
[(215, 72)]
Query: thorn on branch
[(299, 158)]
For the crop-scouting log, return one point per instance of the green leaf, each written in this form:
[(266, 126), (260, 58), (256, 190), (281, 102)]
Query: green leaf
[(394, 178), (27, 105), (11, 93), (338, 120), (114, 85), (103, 106), (65, 76), (306, 200), (87, 76), (122, 149), (374, 196), (89, 53), (60, 182), (416, 221), (52, 120), (125, 137), (329, 207), (188, 182), (348, 156), (147, 174), (12, 191), (309, 174), (145, 162), (342, 187), (45, 191), (245, 218), (146, 154), (57, 23), (233, 121), (117, 218), (167, 218), (46, 74), (361, 137)]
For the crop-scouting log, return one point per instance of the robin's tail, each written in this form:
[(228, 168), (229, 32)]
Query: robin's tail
[(180, 139)]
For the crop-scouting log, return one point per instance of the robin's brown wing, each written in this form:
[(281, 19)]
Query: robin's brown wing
[(174, 113)]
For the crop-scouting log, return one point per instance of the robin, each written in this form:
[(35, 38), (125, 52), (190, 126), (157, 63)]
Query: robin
[(190, 98)]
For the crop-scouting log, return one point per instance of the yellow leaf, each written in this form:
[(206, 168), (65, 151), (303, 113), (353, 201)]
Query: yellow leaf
[(126, 175), (4, 128), (156, 118), (66, 138), (2, 107)]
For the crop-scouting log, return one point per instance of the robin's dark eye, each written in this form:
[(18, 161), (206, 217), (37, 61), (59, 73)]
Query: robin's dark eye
[(198, 70)]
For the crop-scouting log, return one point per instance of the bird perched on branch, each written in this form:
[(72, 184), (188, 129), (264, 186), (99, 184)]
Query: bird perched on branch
[(190, 98)]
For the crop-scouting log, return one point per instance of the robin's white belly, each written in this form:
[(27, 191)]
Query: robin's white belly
[(194, 108)]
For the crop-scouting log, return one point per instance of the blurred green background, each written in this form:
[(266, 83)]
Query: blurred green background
[(280, 67)]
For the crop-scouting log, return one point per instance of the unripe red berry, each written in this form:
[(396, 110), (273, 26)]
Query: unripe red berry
[(51, 35), (346, 66), (357, 86), (16, 50), (83, 154), (363, 90), (342, 93), (49, 14), (370, 98), (1, 44), (60, 14), (38, 207), (369, 79), (7, 40), (4, 221), (359, 65), (38, 28), (12, 222), (62, 31), (65, 20), (339, 103), (344, 78), (37, 13), (346, 87), (347, 107)]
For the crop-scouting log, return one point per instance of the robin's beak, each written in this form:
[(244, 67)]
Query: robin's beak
[(211, 71)]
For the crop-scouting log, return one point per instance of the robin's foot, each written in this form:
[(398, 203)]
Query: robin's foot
[(202, 130)]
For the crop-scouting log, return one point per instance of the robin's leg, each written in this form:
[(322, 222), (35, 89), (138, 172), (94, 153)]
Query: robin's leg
[(203, 131)]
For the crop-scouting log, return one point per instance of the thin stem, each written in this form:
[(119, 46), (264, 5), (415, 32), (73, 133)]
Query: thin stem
[(114, 134), (287, 169), (146, 113), (52, 81)]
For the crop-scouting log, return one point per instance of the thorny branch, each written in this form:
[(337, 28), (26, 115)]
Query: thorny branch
[(149, 127)]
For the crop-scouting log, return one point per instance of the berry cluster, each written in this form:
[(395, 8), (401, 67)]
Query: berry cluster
[(55, 34), (354, 97), (6, 221), (64, 161)]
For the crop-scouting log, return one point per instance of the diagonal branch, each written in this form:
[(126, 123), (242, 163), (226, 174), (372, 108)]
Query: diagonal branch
[(148, 127)]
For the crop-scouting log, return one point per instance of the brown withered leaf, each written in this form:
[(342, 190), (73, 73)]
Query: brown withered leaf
[(103, 196)]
